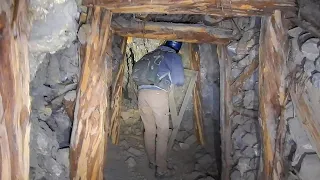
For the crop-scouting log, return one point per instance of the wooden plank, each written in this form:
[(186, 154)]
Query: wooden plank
[(273, 54), (117, 97), (197, 99), (211, 7), (225, 111), (14, 90), (236, 86), (88, 140), (308, 113), (193, 33), (175, 116)]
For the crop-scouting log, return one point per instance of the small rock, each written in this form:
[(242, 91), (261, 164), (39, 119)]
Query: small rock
[(44, 113), (176, 147), (181, 136), (232, 47), (294, 32), (250, 83), (243, 165), (297, 55), (316, 80), (235, 72), (197, 167), (309, 67), (198, 155), (124, 144), (235, 175), (249, 139), (62, 157), (310, 48), (248, 152), (194, 175), (184, 146), (237, 100), (191, 140), (205, 161), (131, 162), (135, 151), (250, 100), (83, 33), (289, 111), (310, 167)]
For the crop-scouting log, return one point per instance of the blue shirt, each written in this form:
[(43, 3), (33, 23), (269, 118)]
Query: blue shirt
[(170, 66)]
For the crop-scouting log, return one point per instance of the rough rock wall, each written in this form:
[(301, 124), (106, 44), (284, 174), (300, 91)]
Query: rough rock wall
[(54, 83), (54, 71), (245, 137), (304, 66), (54, 27)]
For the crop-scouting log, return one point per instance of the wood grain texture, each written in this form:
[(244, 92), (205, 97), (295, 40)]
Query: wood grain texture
[(273, 54), (192, 33), (211, 7), (225, 111), (14, 90), (117, 98), (88, 141), (197, 99)]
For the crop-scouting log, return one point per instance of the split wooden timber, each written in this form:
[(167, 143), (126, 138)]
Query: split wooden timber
[(210, 7), (307, 108), (225, 111), (197, 100), (14, 90), (273, 54), (117, 98), (88, 141), (176, 116), (192, 33)]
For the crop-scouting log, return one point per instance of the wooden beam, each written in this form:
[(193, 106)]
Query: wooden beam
[(14, 90), (236, 86), (225, 111), (117, 97), (88, 139), (192, 33), (273, 54), (210, 7), (197, 100), (308, 111)]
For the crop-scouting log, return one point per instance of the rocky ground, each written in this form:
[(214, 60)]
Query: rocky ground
[(128, 160)]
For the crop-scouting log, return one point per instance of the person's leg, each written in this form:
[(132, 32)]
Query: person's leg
[(149, 125), (160, 109)]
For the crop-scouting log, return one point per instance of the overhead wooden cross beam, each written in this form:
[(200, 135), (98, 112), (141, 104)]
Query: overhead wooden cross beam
[(191, 33), (273, 54), (211, 7), (14, 90)]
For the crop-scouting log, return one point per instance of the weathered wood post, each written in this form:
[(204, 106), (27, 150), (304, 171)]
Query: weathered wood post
[(273, 54), (14, 90), (88, 141), (197, 99)]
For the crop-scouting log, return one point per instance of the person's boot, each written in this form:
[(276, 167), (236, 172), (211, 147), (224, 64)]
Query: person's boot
[(152, 166)]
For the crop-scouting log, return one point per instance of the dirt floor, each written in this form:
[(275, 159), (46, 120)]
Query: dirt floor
[(128, 160)]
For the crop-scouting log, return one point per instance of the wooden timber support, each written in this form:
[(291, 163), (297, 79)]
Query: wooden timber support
[(117, 97), (211, 7), (308, 111), (192, 33), (88, 141), (273, 54), (14, 90), (197, 100), (225, 111)]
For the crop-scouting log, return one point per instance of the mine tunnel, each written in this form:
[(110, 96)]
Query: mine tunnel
[(248, 108)]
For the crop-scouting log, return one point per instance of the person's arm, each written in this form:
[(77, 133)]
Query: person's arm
[(174, 63)]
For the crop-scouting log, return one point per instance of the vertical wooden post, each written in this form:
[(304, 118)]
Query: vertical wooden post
[(273, 54), (117, 97), (225, 110), (88, 141), (14, 91), (197, 103)]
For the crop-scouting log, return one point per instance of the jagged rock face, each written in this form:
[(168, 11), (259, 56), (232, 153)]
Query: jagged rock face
[(54, 27), (245, 144), (55, 79)]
